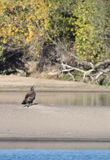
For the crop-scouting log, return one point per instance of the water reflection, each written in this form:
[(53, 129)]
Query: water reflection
[(75, 99), (60, 98)]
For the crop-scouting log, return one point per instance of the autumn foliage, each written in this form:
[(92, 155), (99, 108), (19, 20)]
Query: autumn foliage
[(32, 23), (21, 20)]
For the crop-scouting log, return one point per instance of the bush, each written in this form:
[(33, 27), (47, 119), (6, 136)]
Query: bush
[(90, 27), (21, 21)]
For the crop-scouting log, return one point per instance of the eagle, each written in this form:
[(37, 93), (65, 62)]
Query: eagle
[(29, 97)]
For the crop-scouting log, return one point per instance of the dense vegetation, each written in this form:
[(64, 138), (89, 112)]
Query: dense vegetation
[(50, 32)]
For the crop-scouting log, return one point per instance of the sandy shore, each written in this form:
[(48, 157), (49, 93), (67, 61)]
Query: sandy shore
[(48, 127), (16, 83), (53, 127)]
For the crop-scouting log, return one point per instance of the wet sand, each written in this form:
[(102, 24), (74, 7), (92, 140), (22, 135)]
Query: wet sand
[(54, 127)]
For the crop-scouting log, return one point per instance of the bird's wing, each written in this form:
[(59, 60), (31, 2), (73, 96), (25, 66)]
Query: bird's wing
[(28, 94)]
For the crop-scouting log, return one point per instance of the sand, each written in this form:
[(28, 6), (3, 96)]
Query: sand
[(16, 83), (54, 125), (49, 127)]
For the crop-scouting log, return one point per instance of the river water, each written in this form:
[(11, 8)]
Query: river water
[(60, 98), (54, 155)]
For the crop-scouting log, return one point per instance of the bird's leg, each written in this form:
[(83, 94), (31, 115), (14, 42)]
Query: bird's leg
[(29, 104)]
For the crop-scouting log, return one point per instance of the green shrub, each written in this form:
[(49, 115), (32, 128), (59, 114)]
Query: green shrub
[(90, 27)]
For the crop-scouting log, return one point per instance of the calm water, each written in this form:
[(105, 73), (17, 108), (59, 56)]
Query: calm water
[(60, 98), (54, 155)]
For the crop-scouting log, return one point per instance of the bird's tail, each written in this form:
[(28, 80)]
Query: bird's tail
[(23, 102)]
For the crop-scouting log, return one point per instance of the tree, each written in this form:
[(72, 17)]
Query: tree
[(61, 19), (107, 26), (22, 20), (90, 30)]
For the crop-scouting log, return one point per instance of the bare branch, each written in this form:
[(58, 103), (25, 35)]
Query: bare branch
[(94, 73)]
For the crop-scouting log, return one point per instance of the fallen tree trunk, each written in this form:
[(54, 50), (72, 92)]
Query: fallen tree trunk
[(94, 73)]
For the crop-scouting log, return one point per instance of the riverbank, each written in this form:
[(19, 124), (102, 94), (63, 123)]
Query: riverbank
[(51, 127), (17, 83)]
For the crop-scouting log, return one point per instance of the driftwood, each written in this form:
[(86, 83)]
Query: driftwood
[(94, 73)]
